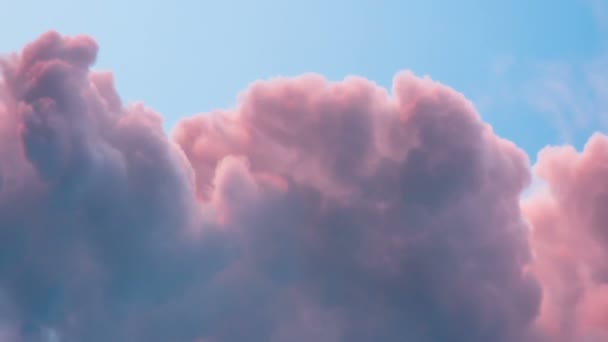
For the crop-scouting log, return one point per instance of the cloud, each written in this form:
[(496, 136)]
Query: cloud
[(93, 195), (312, 211), (600, 12), (570, 93), (573, 94), (569, 238), (394, 215)]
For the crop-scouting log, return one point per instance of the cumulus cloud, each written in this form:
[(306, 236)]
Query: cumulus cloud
[(570, 241), (313, 211), (93, 195), (396, 214)]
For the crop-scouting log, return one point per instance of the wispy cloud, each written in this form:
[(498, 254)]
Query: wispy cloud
[(600, 11), (561, 93), (570, 94)]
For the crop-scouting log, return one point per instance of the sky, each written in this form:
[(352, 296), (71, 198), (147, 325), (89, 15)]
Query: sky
[(425, 171), (188, 57)]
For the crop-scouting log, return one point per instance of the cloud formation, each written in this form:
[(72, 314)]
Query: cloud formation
[(312, 211), (93, 197), (570, 240), (394, 216)]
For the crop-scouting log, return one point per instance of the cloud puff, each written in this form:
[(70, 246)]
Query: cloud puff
[(92, 195), (570, 241), (313, 211)]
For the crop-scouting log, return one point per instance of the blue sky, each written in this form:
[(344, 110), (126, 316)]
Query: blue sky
[(531, 67)]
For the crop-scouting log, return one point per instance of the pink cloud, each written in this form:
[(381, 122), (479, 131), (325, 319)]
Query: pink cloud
[(570, 241), (313, 210), (92, 194), (396, 215)]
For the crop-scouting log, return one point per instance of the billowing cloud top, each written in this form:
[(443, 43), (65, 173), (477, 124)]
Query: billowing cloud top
[(313, 211)]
